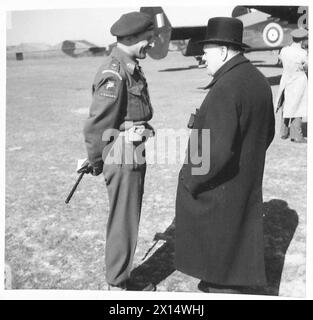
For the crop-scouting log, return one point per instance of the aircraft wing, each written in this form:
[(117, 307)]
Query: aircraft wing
[(286, 13), (190, 32)]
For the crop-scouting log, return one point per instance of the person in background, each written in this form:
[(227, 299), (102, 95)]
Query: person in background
[(292, 96)]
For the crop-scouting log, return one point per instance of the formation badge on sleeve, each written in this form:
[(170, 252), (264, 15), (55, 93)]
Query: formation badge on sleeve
[(109, 89), (110, 84)]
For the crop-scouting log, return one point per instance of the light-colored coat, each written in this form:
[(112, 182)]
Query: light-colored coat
[(294, 82)]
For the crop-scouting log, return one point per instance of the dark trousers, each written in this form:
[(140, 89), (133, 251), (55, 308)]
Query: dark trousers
[(291, 127), (125, 185)]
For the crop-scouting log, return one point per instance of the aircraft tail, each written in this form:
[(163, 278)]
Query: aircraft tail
[(162, 30), (239, 11)]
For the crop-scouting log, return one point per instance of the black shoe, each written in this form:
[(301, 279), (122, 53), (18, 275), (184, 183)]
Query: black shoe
[(209, 288), (203, 286)]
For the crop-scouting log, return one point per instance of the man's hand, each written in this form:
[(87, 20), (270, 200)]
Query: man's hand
[(95, 170), (83, 167), (87, 167)]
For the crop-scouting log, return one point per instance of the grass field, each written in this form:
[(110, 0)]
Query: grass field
[(51, 245)]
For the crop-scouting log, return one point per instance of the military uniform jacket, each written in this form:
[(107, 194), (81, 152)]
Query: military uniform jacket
[(119, 94), (219, 233)]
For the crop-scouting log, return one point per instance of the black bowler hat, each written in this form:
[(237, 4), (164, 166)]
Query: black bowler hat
[(132, 23), (224, 30)]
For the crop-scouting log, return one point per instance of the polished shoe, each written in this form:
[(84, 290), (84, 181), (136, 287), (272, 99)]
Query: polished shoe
[(203, 286), (209, 288), (130, 285)]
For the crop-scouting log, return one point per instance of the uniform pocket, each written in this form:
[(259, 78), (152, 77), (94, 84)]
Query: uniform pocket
[(114, 155), (133, 156), (138, 103), (113, 159)]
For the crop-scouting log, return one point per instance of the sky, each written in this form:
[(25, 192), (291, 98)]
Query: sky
[(52, 26)]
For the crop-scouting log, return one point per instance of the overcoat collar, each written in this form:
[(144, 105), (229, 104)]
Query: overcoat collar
[(232, 63)]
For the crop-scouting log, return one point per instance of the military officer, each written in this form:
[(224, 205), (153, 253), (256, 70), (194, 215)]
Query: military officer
[(292, 94), (120, 111)]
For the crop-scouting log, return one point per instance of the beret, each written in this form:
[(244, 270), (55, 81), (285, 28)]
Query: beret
[(299, 33), (131, 23)]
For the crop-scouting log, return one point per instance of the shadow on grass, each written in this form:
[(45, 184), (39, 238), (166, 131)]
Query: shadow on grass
[(179, 69), (280, 223), (161, 264)]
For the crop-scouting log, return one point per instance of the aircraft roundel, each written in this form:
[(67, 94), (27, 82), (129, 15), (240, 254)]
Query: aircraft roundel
[(273, 34)]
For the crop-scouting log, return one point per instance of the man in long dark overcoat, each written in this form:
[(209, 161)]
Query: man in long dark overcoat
[(219, 228)]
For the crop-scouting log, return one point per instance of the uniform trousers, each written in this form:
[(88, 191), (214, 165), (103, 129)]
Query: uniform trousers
[(291, 127), (124, 177)]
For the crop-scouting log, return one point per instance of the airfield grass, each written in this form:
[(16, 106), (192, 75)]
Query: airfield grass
[(51, 245)]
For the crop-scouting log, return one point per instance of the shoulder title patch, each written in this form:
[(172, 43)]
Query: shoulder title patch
[(112, 71)]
